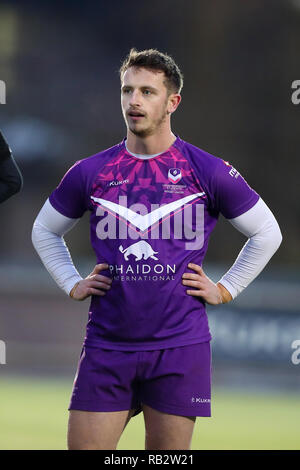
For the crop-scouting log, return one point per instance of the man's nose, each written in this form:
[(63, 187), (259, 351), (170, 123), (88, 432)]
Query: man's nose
[(135, 98)]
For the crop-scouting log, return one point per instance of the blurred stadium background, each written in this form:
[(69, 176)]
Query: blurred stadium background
[(60, 63)]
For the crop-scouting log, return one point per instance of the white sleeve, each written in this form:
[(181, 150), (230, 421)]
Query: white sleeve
[(47, 237), (264, 238)]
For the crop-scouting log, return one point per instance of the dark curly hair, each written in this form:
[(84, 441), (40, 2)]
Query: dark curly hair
[(153, 59)]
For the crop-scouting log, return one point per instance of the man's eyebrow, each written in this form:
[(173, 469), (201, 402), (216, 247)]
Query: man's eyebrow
[(144, 87)]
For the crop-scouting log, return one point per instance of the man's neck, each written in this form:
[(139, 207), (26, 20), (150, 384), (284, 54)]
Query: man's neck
[(150, 145)]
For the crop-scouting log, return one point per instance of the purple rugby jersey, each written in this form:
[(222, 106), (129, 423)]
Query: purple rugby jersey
[(149, 218)]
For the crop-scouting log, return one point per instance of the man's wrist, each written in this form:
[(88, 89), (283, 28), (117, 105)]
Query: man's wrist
[(225, 294), (73, 289)]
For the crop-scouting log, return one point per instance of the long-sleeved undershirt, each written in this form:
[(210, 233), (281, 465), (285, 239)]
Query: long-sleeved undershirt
[(258, 224)]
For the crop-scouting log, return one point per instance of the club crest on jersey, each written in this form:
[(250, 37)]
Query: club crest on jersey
[(174, 175)]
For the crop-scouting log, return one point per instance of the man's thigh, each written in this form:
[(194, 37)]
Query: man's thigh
[(103, 398), (176, 389), (177, 381), (105, 381), (166, 431), (88, 430)]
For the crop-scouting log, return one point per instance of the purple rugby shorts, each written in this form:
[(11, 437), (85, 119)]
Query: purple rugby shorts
[(175, 381)]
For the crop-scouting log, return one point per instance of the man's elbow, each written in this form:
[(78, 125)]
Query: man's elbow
[(271, 238), (273, 241), (35, 233), (278, 238)]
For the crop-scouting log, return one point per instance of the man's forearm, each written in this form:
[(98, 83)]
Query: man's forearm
[(56, 257), (265, 237), (47, 238)]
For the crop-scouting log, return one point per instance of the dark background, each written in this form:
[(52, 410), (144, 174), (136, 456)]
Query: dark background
[(60, 63)]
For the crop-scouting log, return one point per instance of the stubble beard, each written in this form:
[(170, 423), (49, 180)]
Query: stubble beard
[(152, 129)]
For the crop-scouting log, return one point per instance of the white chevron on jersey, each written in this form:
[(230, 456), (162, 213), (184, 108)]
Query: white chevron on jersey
[(143, 222)]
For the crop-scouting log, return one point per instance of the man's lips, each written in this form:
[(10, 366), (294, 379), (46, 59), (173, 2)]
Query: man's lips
[(135, 115), (136, 118)]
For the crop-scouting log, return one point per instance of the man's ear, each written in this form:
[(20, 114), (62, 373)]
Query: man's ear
[(173, 103)]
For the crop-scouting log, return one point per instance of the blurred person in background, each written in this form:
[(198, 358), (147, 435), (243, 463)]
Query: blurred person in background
[(11, 180), (147, 344)]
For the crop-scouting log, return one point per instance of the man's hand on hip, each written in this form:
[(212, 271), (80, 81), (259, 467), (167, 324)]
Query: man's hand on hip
[(93, 284), (204, 287)]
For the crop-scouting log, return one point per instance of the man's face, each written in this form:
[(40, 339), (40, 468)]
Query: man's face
[(144, 100)]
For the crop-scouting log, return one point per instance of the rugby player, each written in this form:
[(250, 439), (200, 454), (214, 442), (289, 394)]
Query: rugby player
[(154, 200), (11, 180)]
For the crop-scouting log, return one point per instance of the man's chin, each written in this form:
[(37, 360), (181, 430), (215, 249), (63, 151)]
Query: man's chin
[(141, 132)]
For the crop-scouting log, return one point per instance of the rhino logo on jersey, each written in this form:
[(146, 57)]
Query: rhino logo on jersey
[(140, 250)]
